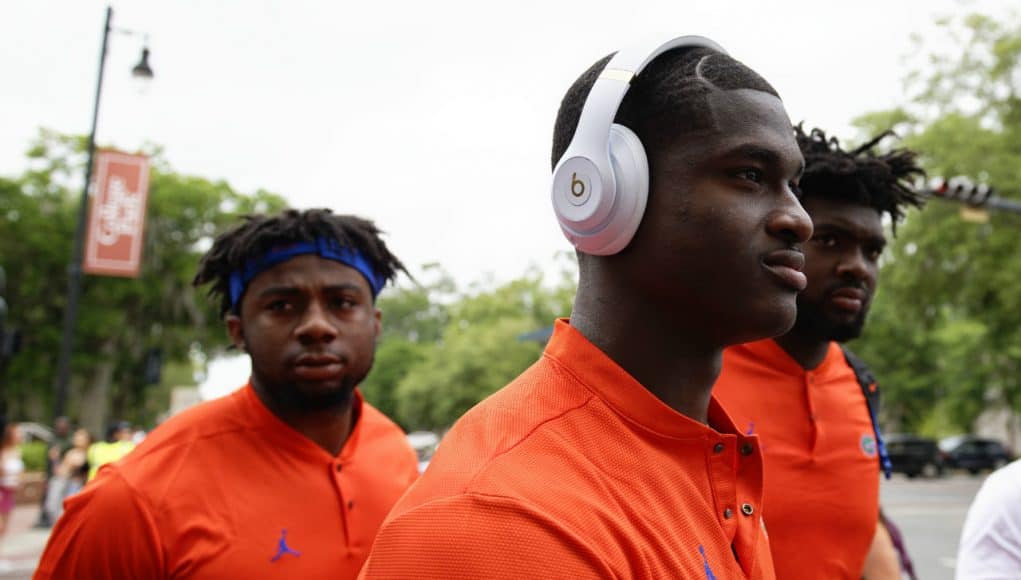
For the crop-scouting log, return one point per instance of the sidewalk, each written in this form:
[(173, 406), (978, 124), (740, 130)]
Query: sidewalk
[(23, 544)]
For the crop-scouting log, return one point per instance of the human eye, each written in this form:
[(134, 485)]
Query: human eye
[(795, 189), (278, 305), (825, 240), (751, 174), (343, 302)]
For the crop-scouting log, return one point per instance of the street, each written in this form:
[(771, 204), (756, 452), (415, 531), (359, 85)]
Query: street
[(930, 514)]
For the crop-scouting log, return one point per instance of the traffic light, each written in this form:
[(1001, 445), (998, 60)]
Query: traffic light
[(961, 189), (975, 197)]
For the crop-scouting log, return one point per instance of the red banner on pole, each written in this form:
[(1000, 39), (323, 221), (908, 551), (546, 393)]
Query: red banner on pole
[(113, 244)]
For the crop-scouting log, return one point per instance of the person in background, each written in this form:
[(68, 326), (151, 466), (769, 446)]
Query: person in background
[(138, 435), (60, 444), (117, 445), (990, 547), (291, 475), (813, 405), (70, 474), (11, 468)]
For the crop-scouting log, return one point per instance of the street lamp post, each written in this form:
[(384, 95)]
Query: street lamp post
[(74, 281)]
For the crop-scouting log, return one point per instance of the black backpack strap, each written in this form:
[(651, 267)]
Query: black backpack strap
[(870, 388)]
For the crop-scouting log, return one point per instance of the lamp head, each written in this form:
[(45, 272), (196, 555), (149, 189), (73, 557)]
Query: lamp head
[(142, 70)]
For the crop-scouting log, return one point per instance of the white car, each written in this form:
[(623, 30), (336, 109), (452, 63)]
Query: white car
[(424, 443)]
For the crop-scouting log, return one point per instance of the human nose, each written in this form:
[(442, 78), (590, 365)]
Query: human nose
[(315, 325), (790, 222), (854, 265)]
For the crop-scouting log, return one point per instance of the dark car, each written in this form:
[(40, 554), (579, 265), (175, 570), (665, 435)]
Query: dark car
[(913, 455), (974, 453)]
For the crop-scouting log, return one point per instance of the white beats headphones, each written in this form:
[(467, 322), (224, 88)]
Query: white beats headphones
[(601, 184)]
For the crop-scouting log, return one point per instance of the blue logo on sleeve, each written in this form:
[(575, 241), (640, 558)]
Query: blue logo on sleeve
[(708, 571), (283, 548)]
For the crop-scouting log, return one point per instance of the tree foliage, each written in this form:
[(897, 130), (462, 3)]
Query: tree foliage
[(945, 332), (121, 320), (435, 363)]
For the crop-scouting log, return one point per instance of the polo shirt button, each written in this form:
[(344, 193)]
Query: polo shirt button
[(747, 509), (747, 449), (718, 448), (727, 513), (339, 468)]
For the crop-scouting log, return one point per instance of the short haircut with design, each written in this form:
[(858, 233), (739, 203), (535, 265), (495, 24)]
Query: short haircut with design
[(667, 99)]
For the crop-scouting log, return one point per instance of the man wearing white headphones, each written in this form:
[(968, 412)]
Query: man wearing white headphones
[(675, 178)]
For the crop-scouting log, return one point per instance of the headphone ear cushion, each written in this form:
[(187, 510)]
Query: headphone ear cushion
[(631, 173)]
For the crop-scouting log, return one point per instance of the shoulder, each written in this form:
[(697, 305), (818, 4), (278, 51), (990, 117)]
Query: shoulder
[(206, 429), (380, 435), (379, 426), (498, 447), (991, 538), (1003, 487), (107, 528)]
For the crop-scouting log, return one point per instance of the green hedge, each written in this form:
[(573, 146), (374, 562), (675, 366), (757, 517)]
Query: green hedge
[(34, 455)]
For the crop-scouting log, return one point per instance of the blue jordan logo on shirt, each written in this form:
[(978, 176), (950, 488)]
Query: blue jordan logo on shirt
[(708, 571), (282, 548)]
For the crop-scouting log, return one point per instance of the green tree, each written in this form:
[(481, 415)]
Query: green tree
[(481, 349), (945, 332), (414, 318), (120, 320)]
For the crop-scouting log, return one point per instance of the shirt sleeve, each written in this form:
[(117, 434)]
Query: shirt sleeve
[(991, 539), (473, 536), (106, 531)]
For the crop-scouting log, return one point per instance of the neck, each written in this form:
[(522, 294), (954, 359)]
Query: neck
[(808, 351), (328, 427), (671, 361)]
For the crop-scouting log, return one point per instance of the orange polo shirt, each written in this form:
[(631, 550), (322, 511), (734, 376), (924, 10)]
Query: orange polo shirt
[(227, 490), (821, 471), (574, 470)]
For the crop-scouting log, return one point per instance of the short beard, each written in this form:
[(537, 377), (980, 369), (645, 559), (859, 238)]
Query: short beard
[(330, 400), (292, 398), (811, 321)]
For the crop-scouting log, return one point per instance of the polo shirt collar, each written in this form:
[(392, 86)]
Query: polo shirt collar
[(769, 353), (286, 437), (616, 387)]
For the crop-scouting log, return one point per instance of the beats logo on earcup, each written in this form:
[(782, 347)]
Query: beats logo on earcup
[(601, 184)]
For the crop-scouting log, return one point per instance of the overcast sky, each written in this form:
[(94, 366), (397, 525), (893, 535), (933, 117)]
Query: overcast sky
[(432, 118)]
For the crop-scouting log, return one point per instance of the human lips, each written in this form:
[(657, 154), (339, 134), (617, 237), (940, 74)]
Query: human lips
[(318, 366), (848, 298), (787, 265)]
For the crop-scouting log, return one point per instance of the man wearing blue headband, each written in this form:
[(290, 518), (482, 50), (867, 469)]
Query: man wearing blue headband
[(291, 475)]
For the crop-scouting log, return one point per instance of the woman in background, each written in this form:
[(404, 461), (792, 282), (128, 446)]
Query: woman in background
[(11, 467), (69, 475)]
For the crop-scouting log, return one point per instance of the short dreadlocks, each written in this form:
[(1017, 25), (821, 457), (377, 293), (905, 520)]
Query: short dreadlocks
[(251, 240), (861, 176)]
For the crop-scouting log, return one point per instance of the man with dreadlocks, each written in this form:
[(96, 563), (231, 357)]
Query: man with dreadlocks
[(289, 476), (808, 401), (608, 458)]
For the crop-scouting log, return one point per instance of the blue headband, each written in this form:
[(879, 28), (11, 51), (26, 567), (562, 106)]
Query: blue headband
[(328, 249)]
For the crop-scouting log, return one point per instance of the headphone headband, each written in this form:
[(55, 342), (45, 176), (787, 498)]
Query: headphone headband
[(613, 83), (585, 196)]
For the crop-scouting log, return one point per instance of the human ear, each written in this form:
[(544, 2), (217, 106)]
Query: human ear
[(378, 324), (235, 331)]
